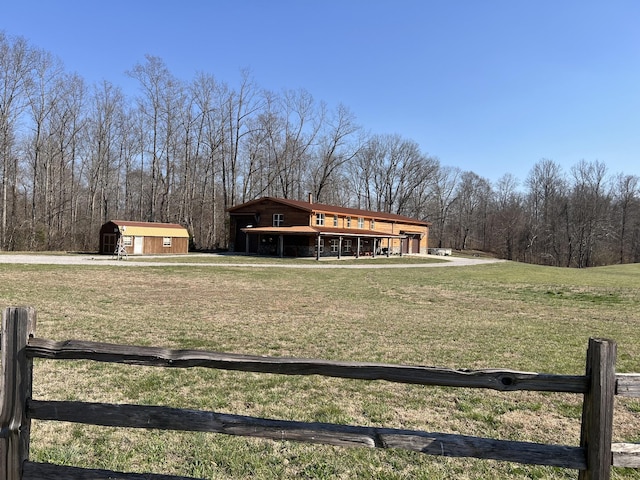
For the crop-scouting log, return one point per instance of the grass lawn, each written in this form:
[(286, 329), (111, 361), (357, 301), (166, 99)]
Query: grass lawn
[(205, 258), (503, 315)]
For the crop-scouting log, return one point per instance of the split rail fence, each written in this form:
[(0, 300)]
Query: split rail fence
[(593, 458)]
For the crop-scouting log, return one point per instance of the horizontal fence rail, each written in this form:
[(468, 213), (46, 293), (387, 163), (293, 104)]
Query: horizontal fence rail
[(627, 454), (449, 445), (628, 385), (502, 380), (593, 458), (48, 471)]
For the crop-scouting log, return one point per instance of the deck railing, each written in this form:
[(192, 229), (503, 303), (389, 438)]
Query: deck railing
[(593, 458)]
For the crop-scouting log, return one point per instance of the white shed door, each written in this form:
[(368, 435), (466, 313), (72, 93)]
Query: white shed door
[(138, 245)]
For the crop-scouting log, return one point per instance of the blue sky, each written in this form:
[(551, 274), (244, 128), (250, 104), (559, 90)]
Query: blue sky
[(488, 86)]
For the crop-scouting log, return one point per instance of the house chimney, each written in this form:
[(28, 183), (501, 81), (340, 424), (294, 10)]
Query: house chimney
[(310, 197)]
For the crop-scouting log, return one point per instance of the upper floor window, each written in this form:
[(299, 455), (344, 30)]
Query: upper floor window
[(348, 222), (373, 224), (320, 219), (335, 220), (361, 223), (278, 219)]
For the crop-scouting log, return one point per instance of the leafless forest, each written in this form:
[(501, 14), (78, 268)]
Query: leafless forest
[(73, 156)]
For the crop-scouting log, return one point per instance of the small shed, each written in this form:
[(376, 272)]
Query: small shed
[(143, 238)]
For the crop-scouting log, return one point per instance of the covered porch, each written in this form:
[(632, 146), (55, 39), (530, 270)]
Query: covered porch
[(306, 241)]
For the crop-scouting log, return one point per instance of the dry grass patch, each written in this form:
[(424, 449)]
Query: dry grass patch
[(502, 315)]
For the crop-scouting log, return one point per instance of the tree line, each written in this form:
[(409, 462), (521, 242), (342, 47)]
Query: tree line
[(74, 156)]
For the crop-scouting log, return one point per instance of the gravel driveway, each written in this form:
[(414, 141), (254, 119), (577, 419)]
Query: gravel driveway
[(93, 260)]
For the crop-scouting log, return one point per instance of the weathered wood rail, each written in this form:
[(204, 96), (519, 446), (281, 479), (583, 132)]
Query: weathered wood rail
[(593, 458)]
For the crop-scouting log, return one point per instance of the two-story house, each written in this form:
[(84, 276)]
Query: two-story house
[(293, 228)]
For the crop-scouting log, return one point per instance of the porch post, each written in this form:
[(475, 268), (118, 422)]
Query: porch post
[(318, 247), (339, 247), (246, 243), (358, 248), (388, 246), (373, 252), (281, 245)]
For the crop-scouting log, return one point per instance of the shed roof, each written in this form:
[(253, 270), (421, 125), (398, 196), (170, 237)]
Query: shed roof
[(151, 229)]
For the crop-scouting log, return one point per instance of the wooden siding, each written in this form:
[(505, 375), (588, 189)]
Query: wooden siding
[(395, 228), (262, 214), (154, 245)]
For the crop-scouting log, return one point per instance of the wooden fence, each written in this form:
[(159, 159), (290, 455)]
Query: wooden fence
[(593, 458)]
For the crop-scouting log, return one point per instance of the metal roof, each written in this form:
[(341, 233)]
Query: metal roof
[(151, 229), (321, 207)]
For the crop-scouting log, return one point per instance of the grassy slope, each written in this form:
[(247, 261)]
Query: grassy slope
[(502, 315)]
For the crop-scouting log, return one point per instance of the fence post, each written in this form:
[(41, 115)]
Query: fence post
[(18, 324), (597, 409)]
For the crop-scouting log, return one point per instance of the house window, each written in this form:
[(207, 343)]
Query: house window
[(348, 222), (320, 219), (335, 220), (127, 241), (321, 244), (278, 219), (346, 246), (335, 245), (166, 241), (361, 223), (373, 224)]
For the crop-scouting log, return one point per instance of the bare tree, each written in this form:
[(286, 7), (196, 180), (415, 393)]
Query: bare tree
[(106, 137), (627, 209), (291, 144), (16, 64), (589, 206), (443, 195), (237, 109), (337, 145), (548, 214), (473, 194), (391, 169), (508, 219), (66, 126), (159, 92), (194, 170), (43, 99), (258, 178)]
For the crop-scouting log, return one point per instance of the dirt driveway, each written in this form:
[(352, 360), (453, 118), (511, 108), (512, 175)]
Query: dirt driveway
[(93, 260)]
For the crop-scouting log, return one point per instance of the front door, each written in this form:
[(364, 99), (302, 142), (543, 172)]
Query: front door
[(109, 243), (138, 245), (415, 244)]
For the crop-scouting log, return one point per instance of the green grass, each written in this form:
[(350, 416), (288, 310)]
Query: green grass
[(504, 315)]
